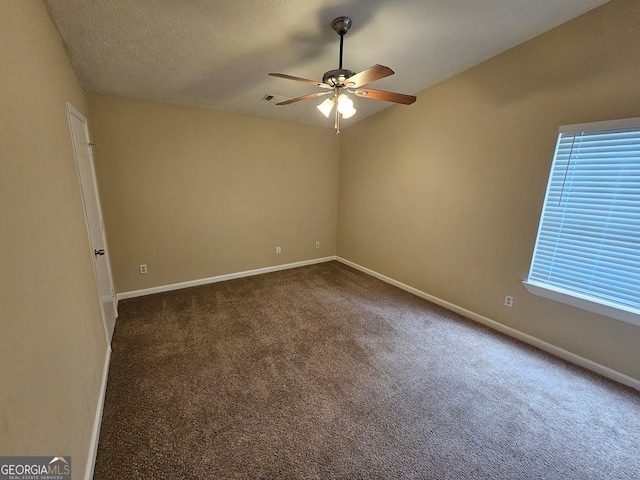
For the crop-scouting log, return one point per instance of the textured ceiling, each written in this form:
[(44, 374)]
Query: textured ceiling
[(217, 53)]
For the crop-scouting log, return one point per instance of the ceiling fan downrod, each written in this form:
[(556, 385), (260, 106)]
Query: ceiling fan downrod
[(341, 45), (341, 25)]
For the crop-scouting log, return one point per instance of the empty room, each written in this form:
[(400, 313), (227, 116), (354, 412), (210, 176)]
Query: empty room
[(323, 239)]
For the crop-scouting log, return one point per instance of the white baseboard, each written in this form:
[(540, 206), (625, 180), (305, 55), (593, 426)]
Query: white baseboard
[(511, 332), (95, 436), (220, 278)]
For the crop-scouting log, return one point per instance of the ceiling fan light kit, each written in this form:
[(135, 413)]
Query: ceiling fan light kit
[(342, 82)]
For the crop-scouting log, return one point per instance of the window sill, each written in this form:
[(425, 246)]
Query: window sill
[(584, 302)]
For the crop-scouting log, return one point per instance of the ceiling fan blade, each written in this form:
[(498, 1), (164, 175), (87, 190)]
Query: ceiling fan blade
[(386, 96), (304, 97), (371, 74), (298, 79)]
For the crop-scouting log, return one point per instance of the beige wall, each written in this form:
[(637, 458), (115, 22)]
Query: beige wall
[(52, 345), (195, 193), (445, 195)]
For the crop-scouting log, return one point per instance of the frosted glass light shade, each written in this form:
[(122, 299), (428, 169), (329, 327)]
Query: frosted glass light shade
[(345, 104), (349, 113), (326, 107)]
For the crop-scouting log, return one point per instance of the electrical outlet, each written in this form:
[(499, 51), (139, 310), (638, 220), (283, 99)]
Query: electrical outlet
[(508, 301), (318, 244), (143, 268), (278, 250)]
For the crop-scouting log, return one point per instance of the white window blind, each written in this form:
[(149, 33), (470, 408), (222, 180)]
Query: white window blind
[(589, 235)]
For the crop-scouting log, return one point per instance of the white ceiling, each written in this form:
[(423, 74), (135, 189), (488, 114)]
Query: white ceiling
[(217, 53)]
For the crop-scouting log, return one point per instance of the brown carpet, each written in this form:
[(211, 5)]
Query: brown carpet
[(323, 372)]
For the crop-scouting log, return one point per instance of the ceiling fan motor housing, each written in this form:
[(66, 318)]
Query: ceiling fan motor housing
[(338, 77)]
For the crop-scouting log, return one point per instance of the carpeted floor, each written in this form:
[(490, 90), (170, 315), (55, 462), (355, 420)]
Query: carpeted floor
[(323, 372)]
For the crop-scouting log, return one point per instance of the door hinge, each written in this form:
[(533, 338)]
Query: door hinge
[(101, 224)]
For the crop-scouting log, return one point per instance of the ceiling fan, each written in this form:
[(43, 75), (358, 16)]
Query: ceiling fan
[(342, 82)]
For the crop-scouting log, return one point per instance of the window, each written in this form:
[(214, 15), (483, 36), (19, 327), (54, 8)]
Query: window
[(587, 252)]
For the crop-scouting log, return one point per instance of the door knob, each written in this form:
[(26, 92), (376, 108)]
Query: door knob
[(98, 252)]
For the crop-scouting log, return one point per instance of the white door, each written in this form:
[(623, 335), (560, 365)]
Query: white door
[(84, 158)]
